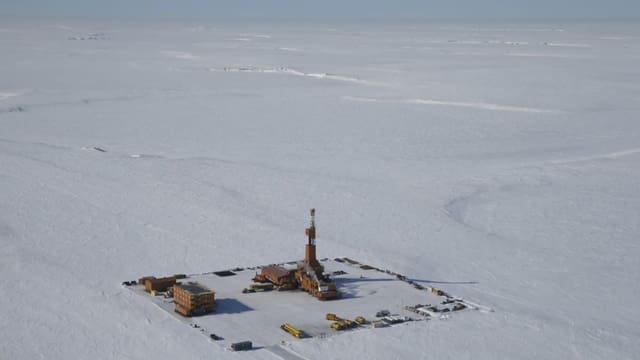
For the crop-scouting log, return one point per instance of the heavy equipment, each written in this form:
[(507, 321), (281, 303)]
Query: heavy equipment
[(342, 324), (332, 317), (292, 330)]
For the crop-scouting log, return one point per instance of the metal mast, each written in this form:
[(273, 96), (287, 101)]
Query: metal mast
[(311, 231)]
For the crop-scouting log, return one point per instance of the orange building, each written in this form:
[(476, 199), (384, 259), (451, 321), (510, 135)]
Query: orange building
[(161, 284), (193, 298)]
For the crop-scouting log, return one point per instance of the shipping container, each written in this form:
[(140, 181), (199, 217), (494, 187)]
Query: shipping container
[(243, 345)]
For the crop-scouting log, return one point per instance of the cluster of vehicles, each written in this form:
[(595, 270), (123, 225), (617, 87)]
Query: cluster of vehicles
[(384, 318), (342, 324)]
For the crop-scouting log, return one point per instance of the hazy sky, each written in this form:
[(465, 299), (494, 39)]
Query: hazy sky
[(327, 8)]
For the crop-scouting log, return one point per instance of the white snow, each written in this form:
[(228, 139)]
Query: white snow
[(480, 106), (568, 45), (179, 55), (4, 95), (511, 181), (283, 70)]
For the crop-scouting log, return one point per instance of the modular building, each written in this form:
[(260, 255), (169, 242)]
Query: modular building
[(161, 284), (277, 275), (193, 299)]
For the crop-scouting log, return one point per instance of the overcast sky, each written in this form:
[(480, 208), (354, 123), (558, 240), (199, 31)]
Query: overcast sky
[(445, 9)]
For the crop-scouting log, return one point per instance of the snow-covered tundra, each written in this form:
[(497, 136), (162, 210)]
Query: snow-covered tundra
[(497, 161)]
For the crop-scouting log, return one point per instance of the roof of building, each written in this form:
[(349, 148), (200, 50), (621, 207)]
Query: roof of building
[(195, 288), (275, 270)]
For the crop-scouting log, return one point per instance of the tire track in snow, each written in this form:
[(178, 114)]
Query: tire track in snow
[(456, 207), (283, 353), (84, 101)]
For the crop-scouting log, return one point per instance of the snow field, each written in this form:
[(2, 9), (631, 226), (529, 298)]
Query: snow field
[(532, 213)]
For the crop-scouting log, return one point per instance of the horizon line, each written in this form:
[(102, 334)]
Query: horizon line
[(325, 18)]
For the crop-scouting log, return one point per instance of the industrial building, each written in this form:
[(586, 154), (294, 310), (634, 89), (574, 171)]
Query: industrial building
[(309, 274), (158, 284), (277, 275), (193, 298)]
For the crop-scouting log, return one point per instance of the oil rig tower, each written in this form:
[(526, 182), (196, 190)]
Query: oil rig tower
[(308, 275), (310, 248)]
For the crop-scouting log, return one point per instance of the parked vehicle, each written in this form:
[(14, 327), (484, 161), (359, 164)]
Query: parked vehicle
[(332, 317)]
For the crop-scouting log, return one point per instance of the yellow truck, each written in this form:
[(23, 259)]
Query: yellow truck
[(292, 330), (332, 317), (342, 324)]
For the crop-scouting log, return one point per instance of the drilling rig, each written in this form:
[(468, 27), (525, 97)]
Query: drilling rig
[(308, 275)]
